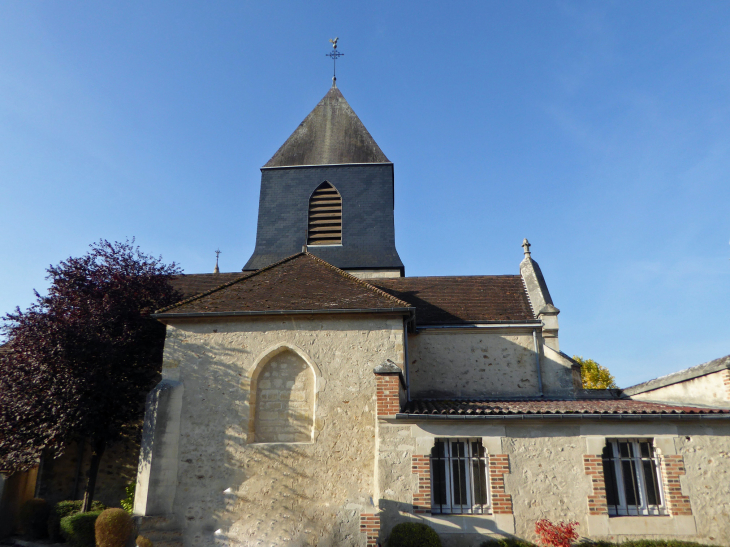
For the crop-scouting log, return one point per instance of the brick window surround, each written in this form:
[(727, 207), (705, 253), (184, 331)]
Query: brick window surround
[(370, 526), (672, 466), (497, 469)]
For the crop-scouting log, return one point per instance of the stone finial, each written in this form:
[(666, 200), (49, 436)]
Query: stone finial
[(526, 246), (216, 269)]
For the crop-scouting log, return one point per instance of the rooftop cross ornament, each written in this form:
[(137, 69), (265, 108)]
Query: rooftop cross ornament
[(526, 246), (217, 253), (334, 54)]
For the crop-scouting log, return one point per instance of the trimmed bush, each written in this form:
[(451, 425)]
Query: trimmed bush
[(413, 534), (644, 543), (144, 542), (113, 528), (34, 518), (65, 509), (78, 529)]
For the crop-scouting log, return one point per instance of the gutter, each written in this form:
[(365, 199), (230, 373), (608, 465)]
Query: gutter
[(167, 315), (487, 325), (525, 417)]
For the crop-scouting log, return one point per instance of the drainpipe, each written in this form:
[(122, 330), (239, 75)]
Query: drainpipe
[(405, 357), (537, 362)]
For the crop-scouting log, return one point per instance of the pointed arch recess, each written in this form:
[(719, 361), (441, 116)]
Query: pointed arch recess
[(283, 387), (325, 216)]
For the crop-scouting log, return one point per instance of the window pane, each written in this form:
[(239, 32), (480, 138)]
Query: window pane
[(457, 450), (439, 482), (609, 474), (438, 450), (630, 482), (458, 478), (479, 473), (646, 451), (625, 449), (652, 494)]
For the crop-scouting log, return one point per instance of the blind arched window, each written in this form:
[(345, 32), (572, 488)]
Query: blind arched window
[(325, 216)]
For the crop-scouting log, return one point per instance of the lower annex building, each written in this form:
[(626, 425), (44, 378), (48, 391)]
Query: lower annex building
[(321, 397)]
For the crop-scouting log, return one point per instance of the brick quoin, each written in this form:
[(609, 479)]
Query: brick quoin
[(370, 526), (388, 391), (421, 467), (498, 468), (593, 465), (672, 468)]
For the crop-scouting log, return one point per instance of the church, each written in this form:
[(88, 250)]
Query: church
[(321, 396)]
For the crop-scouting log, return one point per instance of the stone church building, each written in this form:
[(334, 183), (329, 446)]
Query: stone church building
[(321, 396)]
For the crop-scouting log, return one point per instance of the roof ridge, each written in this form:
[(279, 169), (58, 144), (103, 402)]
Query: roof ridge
[(351, 277), (228, 284)]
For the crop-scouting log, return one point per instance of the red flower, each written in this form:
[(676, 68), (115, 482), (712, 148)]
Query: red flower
[(561, 534)]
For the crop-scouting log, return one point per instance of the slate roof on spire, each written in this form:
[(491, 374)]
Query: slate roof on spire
[(331, 134)]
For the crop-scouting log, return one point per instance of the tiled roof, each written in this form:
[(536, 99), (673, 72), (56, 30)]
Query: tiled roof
[(464, 299), (301, 282), (191, 285), (531, 407)]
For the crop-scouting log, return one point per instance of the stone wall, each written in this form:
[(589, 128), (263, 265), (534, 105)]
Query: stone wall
[(118, 469), (234, 491), (482, 363), (548, 471)]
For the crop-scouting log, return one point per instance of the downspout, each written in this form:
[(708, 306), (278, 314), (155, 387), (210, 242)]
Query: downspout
[(405, 357), (537, 362)]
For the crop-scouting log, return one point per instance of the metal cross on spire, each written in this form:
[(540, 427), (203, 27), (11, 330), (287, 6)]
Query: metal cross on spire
[(217, 254), (334, 55)]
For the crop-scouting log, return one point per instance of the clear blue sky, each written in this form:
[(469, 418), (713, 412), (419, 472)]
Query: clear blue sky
[(598, 130)]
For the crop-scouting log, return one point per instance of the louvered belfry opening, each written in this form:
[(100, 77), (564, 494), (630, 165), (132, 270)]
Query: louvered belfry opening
[(325, 216)]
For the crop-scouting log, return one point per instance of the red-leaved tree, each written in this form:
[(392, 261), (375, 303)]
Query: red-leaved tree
[(561, 534), (79, 361)]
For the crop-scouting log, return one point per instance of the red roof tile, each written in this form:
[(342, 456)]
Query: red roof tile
[(530, 407), (464, 299), (301, 282)]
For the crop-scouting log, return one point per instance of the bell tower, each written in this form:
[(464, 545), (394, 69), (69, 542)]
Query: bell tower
[(329, 187)]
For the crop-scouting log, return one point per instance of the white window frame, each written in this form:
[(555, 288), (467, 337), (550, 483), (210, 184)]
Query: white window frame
[(466, 474), (636, 461)]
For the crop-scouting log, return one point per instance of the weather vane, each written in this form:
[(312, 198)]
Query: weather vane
[(334, 54)]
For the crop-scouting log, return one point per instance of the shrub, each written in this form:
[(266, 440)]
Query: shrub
[(65, 509), (78, 529), (561, 534), (113, 528), (413, 534), (128, 502), (34, 518), (143, 542)]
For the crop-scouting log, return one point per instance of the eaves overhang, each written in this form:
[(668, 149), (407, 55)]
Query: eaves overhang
[(187, 315), (566, 416)]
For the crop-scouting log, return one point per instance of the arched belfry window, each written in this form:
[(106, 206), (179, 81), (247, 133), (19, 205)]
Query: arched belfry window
[(325, 216)]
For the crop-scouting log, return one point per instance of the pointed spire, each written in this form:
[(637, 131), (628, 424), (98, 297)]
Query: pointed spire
[(217, 253), (331, 134)]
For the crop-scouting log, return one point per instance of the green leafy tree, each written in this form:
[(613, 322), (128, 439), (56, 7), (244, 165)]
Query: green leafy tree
[(595, 376), (78, 362)]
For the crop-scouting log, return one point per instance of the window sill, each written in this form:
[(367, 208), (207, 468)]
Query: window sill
[(603, 525), (469, 524)]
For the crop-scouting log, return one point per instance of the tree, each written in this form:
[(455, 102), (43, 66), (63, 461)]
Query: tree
[(79, 361), (595, 376)]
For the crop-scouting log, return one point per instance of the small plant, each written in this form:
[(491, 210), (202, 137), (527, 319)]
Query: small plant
[(78, 529), (413, 534), (128, 502), (113, 528), (143, 542), (34, 518), (561, 534), (64, 509)]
